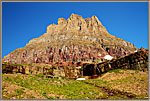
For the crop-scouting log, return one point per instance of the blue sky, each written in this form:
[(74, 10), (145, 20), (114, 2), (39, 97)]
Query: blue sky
[(24, 21)]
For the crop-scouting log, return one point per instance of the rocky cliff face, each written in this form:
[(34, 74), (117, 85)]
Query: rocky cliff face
[(74, 39), (134, 61)]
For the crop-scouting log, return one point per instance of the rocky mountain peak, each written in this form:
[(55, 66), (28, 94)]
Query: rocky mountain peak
[(77, 23), (91, 24), (61, 21), (74, 16), (96, 20), (74, 39)]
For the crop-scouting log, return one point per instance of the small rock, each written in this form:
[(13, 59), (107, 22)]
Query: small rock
[(111, 94), (90, 93)]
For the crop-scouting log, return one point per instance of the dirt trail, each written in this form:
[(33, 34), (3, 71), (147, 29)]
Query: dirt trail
[(113, 92)]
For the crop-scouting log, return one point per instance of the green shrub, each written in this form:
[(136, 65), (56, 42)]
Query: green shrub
[(19, 91)]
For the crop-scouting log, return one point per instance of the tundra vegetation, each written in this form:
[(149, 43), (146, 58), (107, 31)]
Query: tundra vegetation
[(115, 84)]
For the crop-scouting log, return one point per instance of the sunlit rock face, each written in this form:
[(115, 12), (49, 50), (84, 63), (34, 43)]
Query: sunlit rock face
[(74, 39)]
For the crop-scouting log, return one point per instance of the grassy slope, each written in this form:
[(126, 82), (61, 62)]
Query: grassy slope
[(19, 86), (49, 88), (131, 81)]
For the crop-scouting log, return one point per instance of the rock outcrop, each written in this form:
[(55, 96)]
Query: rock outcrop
[(46, 70), (75, 39), (134, 61)]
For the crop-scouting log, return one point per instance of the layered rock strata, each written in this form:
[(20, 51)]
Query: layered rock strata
[(50, 71), (134, 61), (74, 39)]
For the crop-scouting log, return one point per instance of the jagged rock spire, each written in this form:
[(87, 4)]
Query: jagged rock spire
[(77, 23)]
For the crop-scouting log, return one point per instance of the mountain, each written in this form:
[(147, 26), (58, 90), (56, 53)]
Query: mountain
[(74, 39)]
